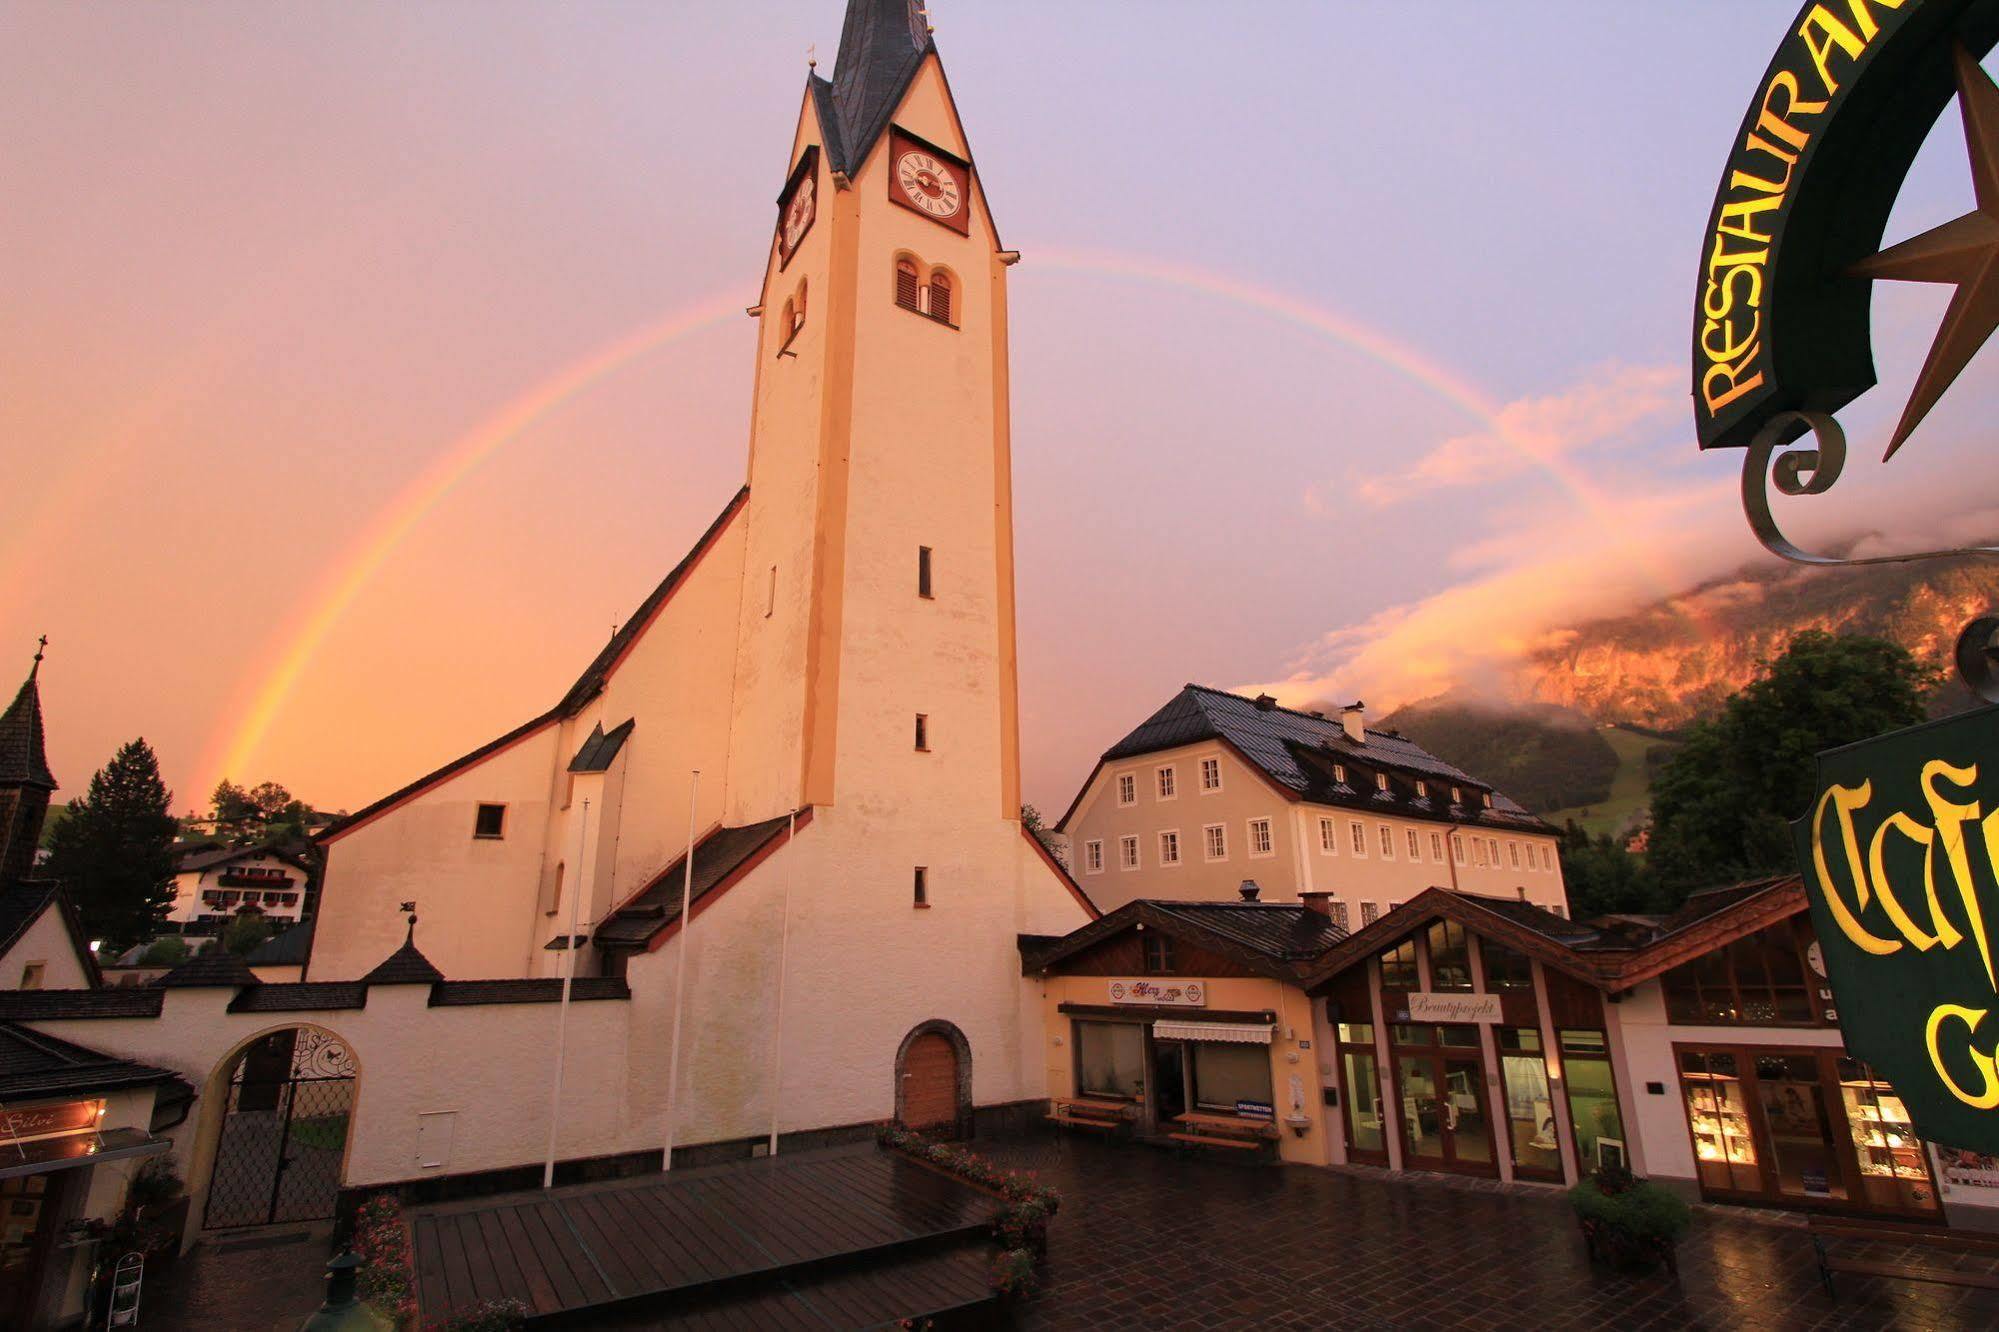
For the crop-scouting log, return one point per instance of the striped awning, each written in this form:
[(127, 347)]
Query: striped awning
[(1237, 1033)]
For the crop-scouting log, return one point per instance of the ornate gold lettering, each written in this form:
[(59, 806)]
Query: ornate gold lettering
[(1985, 1064), (1878, 871), (1950, 818), (1844, 800), (1772, 121), (1831, 32)]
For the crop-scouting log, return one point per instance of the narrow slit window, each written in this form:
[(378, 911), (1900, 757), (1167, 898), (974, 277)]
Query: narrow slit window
[(940, 298), (922, 886), (922, 731), (770, 594), (923, 571), (907, 284)]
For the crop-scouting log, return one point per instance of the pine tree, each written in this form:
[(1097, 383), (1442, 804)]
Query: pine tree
[(113, 849)]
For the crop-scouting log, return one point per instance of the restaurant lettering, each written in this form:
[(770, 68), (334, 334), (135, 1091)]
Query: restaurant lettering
[(1171, 994), (1900, 854), (1779, 324)]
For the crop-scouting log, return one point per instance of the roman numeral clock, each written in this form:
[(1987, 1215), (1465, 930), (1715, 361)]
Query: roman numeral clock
[(925, 178)]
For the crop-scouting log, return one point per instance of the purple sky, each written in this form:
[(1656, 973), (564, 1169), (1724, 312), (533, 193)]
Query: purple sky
[(264, 264)]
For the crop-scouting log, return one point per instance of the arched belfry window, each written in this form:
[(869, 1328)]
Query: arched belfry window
[(798, 315), (940, 296), (908, 284)]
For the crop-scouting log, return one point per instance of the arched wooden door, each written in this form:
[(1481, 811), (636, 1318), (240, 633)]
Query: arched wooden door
[(934, 1076)]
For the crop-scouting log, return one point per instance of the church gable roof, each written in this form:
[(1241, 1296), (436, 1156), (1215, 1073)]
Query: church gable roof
[(24, 759), (882, 45)]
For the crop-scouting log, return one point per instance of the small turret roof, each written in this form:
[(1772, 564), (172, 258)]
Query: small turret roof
[(406, 966), (24, 759), (218, 967)]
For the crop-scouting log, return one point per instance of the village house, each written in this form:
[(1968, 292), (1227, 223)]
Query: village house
[(216, 885), (1215, 788)]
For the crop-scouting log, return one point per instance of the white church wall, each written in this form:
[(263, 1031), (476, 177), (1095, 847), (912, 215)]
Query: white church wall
[(424, 850), (46, 943)]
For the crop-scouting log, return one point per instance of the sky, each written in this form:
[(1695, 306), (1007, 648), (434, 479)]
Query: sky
[(362, 364)]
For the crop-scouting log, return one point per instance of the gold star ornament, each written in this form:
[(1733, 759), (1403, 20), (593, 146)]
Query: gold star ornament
[(1964, 252)]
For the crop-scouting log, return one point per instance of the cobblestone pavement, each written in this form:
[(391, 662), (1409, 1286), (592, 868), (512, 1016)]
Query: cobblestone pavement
[(1153, 1239), (260, 1282)]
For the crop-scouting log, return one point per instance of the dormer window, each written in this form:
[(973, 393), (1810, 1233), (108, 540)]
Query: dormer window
[(1457, 796), (1486, 799), (1340, 773), (1381, 781), (1422, 791)]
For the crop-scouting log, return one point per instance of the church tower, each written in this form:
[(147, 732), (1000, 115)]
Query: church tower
[(878, 619), (25, 780)]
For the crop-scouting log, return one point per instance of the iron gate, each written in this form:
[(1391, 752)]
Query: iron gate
[(284, 1133)]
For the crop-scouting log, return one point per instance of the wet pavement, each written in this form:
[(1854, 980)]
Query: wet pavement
[(1157, 1239)]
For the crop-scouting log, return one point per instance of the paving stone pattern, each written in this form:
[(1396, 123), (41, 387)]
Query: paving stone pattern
[(1156, 1239)]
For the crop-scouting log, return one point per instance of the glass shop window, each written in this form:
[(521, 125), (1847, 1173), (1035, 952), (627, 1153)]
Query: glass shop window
[(1893, 1168), (1505, 969), (1398, 966), (1758, 980), (1530, 1106), (1718, 1117), (1225, 1074), (1363, 1087), (1450, 956), (1593, 1110), (1110, 1059)]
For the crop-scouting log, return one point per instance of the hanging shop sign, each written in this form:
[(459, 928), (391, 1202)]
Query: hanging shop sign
[(1168, 994), (1898, 854), (1425, 1007)]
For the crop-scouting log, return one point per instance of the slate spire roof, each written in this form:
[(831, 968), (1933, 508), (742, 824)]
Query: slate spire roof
[(24, 760), (882, 45), (405, 966)]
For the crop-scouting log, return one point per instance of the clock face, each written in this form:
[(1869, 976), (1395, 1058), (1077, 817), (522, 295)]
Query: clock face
[(798, 205), (798, 215), (931, 185)]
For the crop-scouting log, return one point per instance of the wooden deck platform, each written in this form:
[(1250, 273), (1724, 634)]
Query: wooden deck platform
[(849, 1238)]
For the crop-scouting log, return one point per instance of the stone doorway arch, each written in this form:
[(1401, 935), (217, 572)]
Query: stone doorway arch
[(933, 1080), (287, 1102)]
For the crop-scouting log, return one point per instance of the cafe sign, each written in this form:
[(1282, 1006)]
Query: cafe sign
[(1425, 1007), (1161, 994), (1900, 854)]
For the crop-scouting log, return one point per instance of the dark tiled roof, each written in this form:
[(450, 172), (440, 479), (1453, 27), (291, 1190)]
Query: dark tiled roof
[(1298, 750), (1283, 931), (657, 906), (216, 967), (289, 949), (123, 1001), (1569, 933), (534, 990), (587, 686), (601, 747), (1705, 903), (34, 1064), (295, 998), (24, 759), (882, 45), (405, 966), (208, 857)]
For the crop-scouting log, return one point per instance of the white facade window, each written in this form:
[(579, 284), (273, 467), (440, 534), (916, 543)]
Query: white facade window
[(1458, 849), (1359, 836), (1259, 837), (1478, 847), (1387, 842), (1127, 789), (1128, 852), (1437, 847), (1369, 913), (1093, 856), (1493, 842), (1547, 856), (1339, 914), (1169, 847), (1215, 841), (1513, 853), (1415, 846), (1211, 775), (1169, 785), (1329, 838)]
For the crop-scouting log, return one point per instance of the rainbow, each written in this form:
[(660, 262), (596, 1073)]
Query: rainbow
[(273, 685), (400, 516)]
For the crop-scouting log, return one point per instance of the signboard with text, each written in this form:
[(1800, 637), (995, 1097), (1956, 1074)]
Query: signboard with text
[(1167, 994), (1425, 1007), (1898, 853)]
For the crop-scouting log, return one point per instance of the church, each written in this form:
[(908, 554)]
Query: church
[(820, 698)]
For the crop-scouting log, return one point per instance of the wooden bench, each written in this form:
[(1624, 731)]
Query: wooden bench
[(1088, 1112), (1933, 1238), (1227, 1131)]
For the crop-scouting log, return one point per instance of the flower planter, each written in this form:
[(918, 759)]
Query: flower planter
[(1629, 1223)]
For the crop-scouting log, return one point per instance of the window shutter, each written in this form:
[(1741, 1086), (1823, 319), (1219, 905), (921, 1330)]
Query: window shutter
[(905, 284), (940, 298)]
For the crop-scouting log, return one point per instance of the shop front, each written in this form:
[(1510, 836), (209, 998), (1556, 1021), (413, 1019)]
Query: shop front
[(1186, 1022)]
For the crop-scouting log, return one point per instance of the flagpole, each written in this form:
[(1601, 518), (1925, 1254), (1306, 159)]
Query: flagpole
[(777, 1026), (680, 972), (562, 1013)]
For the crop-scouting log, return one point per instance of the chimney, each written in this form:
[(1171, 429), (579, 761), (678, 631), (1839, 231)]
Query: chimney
[(1264, 702), (1249, 890), (1353, 718), (1319, 902)]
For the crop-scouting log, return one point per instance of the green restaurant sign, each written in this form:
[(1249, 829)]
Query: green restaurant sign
[(1901, 861)]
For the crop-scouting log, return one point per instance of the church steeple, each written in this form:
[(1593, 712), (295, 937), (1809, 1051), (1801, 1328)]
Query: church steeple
[(882, 45), (25, 779)]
